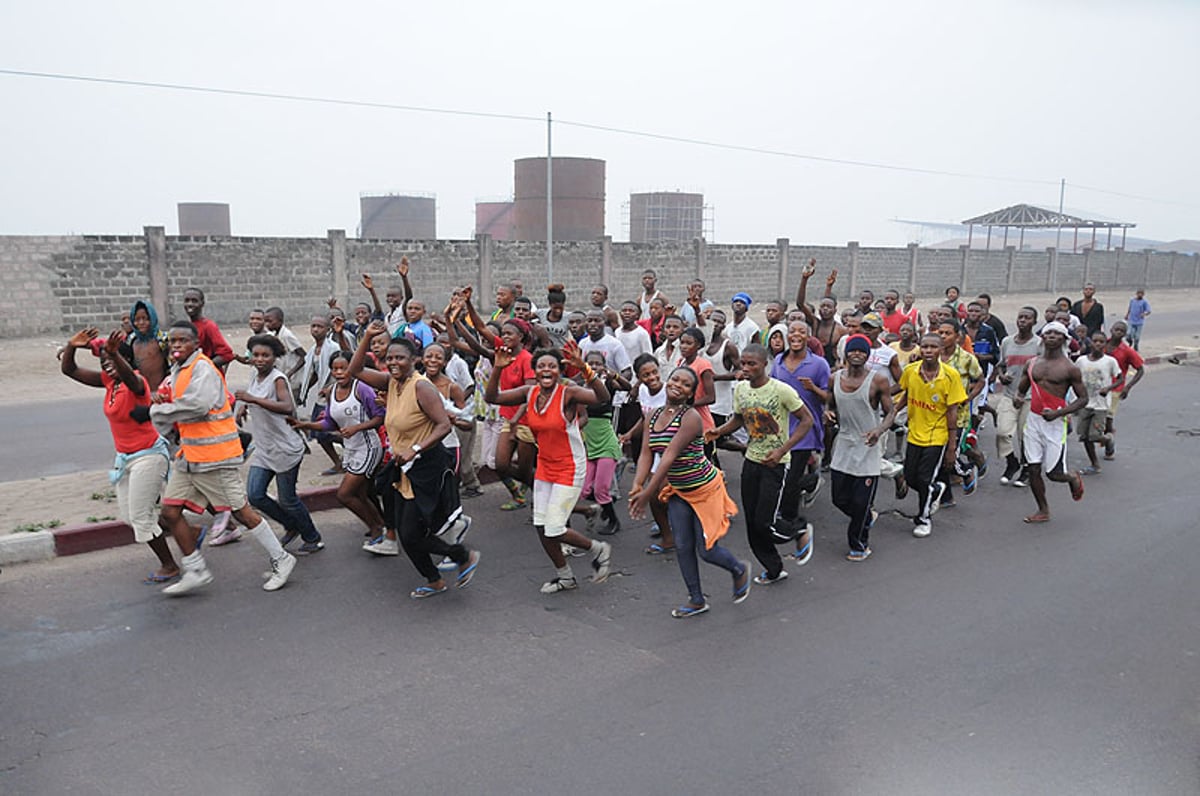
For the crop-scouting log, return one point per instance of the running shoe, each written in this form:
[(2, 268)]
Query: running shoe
[(308, 548), (382, 546), (559, 584), (282, 568), (762, 580), (809, 496), (858, 555), (1022, 478), (288, 537), (190, 580), (922, 530), (601, 557), (226, 536)]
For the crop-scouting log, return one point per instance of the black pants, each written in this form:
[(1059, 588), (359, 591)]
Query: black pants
[(921, 465), (854, 495), (419, 543), (762, 491), (797, 478)]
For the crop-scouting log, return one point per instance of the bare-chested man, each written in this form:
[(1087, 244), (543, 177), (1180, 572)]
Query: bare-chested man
[(1045, 435)]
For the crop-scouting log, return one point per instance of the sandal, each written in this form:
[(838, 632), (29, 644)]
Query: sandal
[(421, 592), (687, 609), (154, 578), (658, 550), (513, 505), (740, 593), (467, 570)]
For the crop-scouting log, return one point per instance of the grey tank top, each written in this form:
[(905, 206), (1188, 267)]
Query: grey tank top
[(855, 418)]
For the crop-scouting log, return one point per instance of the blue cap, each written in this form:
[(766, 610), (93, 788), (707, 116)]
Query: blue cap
[(744, 298)]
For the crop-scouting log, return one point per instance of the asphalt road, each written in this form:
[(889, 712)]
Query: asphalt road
[(992, 657)]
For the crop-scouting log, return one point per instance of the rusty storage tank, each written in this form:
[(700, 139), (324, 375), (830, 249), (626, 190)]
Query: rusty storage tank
[(578, 199), (398, 216), (203, 218), (665, 216), (494, 218)]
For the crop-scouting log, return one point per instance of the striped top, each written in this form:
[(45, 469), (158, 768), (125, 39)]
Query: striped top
[(691, 469)]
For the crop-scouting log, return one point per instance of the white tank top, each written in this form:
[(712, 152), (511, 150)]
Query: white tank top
[(722, 389)]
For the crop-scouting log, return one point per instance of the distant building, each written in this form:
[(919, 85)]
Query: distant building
[(665, 216), (398, 217), (496, 218), (578, 199), (200, 219)]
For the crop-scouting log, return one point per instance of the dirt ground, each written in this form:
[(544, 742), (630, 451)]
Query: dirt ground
[(28, 368)]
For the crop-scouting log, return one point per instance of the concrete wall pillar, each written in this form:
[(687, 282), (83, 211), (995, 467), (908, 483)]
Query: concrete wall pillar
[(1051, 268), (782, 247), (156, 266), (1008, 272), (853, 266), (1171, 282), (912, 267), (1195, 269), (1145, 267), (1087, 266), (1117, 270), (483, 242), (700, 245), (965, 252), (339, 274), (606, 261)]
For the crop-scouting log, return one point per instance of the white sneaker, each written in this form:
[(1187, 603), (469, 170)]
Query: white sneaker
[(573, 552), (809, 498), (922, 530), (282, 567), (939, 489), (382, 546), (225, 536), (447, 565), (190, 580), (462, 527), (601, 557)]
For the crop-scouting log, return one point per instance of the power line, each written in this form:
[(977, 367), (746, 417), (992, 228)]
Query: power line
[(582, 125)]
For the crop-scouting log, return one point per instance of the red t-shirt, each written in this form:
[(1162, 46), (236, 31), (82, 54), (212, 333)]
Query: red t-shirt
[(129, 436), (1126, 356), (212, 342), (514, 376)]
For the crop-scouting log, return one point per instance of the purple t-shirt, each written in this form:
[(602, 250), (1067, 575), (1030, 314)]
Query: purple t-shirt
[(816, 369)]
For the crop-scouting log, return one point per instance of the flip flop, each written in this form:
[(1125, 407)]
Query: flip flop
[(657, 550), (685, 610), (154, 578), (468, 570), (1034, 519), (421, 592)]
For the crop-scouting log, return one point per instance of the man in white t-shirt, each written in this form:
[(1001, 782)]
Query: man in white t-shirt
[(615, 357), (743, 331), (1101, 374), (631, 334)]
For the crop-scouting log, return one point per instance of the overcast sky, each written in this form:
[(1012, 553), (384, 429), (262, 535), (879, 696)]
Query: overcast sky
[(1101, 93)]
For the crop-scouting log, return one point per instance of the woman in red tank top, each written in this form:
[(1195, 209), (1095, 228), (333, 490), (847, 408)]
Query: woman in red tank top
[(142, 458), (551, 413)]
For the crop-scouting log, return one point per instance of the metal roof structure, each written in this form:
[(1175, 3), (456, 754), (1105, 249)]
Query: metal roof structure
[(1030, 217)]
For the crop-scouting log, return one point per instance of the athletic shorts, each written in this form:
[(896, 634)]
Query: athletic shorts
[(523, 432), (1091, 424), (362, 459), (552, 504), (223, 489), (1114, 401), (1045, 443)]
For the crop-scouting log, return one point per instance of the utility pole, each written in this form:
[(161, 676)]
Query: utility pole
[(549, 205), (1062, 189)]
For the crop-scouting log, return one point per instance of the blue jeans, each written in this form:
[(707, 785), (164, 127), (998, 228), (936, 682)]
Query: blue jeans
[(1134, 335), (288, 511), (689, 542)]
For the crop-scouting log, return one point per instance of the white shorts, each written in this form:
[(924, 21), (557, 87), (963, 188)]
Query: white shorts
[(1045, 442), (138, 494), (552, 504)]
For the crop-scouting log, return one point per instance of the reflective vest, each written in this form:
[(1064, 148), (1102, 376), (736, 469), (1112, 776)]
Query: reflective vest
[(214, 437)]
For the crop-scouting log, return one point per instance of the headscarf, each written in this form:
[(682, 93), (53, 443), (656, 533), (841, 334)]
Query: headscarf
[(782, 329), (155, 333)]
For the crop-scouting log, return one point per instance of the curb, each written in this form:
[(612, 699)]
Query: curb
[(18, 548), (1172, 358)]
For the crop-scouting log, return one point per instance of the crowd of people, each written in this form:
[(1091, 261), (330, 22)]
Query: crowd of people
[(409, 404)]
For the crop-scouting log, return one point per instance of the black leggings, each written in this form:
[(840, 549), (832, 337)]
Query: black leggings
[(921, 465), (419, 543), (853, 495)]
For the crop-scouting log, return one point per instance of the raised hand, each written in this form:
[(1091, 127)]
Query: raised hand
[(337, 323), (573, 355), (503, 356), (367, 282), (810, 268), (831, 279), (84, 336), (113, 343), (402, 268), (376, 328)]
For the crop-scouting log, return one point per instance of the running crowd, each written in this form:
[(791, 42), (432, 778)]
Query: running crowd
[(565, 402)]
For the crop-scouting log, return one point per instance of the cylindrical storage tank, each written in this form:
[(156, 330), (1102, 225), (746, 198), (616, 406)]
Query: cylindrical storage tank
[(204, 218), (398, 217), (495, 219), (578, 199), (665, 216)]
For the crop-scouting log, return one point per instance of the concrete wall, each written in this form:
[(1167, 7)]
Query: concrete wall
[(60, 283)]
